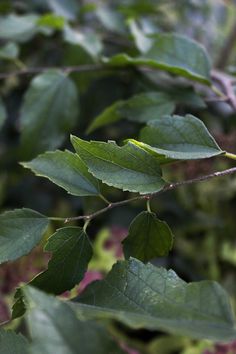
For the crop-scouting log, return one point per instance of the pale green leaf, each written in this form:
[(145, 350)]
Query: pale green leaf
[(168, 53), (20, 231), (148, 238), (66, 170), (12, 343), (18, 28), (54, 328), (71, 252), (65, 8), (143, 43), (144, 296), (49, 112), (9, 51), (128, 167), (179, 138)]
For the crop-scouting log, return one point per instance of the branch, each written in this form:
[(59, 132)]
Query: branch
[(168, 187), (227, 84)]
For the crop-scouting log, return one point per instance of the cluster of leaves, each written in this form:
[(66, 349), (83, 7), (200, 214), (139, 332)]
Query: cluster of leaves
[(151, 78)]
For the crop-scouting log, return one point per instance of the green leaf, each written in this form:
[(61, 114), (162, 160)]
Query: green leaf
[(144, 296), (18, 28), (168, 53), (179, 138), (89, 41), (147, 106), (71, 253), (49, 112), (20, 231), (110, 115), (3, 113), (148, 238), (65, 8), (54, 328), (140, 108), (66, 170), (9, 51), (143, 43), (51, 21), (128, 167), (12, 343)]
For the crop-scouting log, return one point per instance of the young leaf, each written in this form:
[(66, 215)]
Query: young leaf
[(66, 170), (144, 296), (148, 238), (71, 253), (179, 138), (51, 21), (12, 343), (20, 231), (54, 328), (168, 53), (128, 167), (49, 111)]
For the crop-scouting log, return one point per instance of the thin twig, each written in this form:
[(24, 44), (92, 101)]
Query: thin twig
[(226, 83), (168, 187)]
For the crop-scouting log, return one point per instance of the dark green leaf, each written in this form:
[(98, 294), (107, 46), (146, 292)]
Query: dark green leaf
[(49, 112), (18, 28), (179, 138), (140, 108), (128, 167), (3, 113), (110, 115), (148, 238), (168, 53), (143, 296), (54, 328), (12, 343), (66, 170), (20, 231), (71, 253)]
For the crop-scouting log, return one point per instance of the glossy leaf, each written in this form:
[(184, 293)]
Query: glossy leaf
[(168, 53), (20, 231), (18, 28), (66, 170), (128, 167), (12, 343), (179, 138), (148, 238), (71, 253), (54, 328), (49, 112), (144, 296)]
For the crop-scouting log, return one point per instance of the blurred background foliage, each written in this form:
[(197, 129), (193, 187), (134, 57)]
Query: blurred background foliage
[(64, 33)]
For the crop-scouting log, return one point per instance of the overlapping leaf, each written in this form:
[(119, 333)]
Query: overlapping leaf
[(66, 170), (71, 253), (168, 53), (20, 231), (179, 138), (128, 167), (49, 112), (54, 328), (12, 343), (144, 296), (148, 238)]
